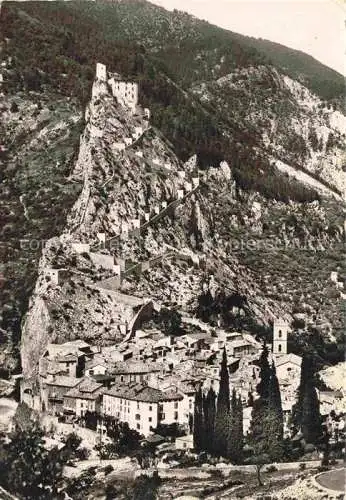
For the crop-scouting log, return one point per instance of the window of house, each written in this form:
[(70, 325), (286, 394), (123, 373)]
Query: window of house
[(175, 415), (150, 408), (138, 426), (150, 419), (137, 405), (176, 404), (279, 348), (280, 333), (289, 369), (137, 416)]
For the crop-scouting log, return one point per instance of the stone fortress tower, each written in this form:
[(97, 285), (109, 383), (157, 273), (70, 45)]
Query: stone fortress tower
[(125, 91), (280, 334)]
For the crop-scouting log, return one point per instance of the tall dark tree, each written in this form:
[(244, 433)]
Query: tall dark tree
[(198, 422), (311, 426), (306, 413), (209, 419), (222, 416), (265, 374), (266, 428), (275, 400), (240, 427), (306, 373), (235, 431), (263, 438)]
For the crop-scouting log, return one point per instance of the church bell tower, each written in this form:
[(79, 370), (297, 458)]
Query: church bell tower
[(280, 334)]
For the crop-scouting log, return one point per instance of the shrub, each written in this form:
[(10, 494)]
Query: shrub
[(108, 469), (271, 468), (82, 453), (14, 107)]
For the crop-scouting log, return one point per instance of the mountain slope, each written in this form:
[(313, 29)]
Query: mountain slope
[(323, 81), (211, 94)]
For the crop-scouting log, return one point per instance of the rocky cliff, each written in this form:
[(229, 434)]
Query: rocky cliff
[(148, 228)]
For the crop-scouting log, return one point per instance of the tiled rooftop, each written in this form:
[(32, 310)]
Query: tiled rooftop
[(141, 392), (87, 389), (64, 381)]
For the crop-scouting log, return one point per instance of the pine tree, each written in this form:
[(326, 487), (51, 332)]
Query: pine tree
[(275, 400), (198, 431), (222, 411), (209, 419)]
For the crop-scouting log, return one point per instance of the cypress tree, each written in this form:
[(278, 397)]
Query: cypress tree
[(311, 425), (275, 400), (209, 420), (235, 431), (240, 427), (265, 431), (265, 374), (232, 429), (221, 431), (306, 373), (198, 431)]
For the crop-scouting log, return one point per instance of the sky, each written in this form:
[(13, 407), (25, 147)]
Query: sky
[(317, 27)]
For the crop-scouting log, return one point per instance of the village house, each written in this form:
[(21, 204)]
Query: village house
[(142, 407), (240, 348), (97, 366), (188, 388), (331, 400), (53, 391), (136, 371), (196, 341), (118, 354), (288, 368), (86, 396), (65, 359), (184, 442), (163, 346), (247, 417)]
